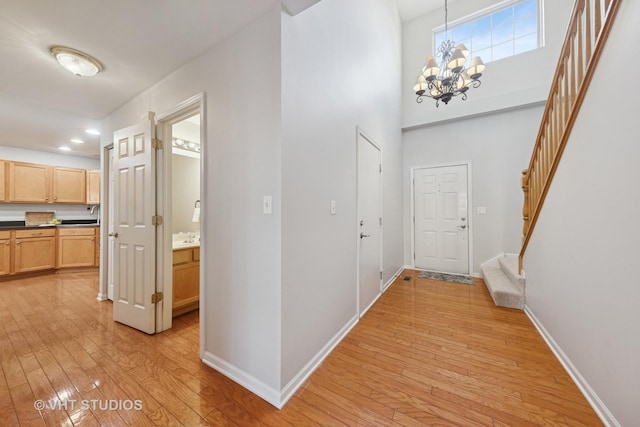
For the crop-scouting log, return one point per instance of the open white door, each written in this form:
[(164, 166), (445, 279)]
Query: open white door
[(134, 232)]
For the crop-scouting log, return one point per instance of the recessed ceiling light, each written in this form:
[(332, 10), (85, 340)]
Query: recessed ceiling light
[(63, 148), (79, 63), (77, 141), (93, 132)]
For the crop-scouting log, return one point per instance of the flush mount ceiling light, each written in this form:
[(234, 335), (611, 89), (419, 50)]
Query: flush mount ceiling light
[(79, 63), (93, 132), (449, 78), (77, 141)]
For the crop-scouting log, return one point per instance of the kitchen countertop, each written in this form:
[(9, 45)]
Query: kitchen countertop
[(66, 223)]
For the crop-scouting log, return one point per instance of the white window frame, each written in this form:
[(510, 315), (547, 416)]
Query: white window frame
[(488, 11)]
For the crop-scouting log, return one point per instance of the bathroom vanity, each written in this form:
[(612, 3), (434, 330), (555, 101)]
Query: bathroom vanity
[(186, 274)]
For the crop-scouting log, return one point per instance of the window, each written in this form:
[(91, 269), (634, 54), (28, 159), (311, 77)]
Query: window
[(498, 33)]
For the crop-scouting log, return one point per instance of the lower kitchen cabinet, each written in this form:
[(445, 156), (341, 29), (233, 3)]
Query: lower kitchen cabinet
[(186, 280), (76, 247), (34, 250), (5, 253)]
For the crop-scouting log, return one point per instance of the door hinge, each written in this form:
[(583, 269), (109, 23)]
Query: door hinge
[(156, 298), (381, 275), (380, 167), (381, 222), (156, 220), (156, 143)]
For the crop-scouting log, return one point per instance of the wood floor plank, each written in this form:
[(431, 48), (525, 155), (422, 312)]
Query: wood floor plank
[(427, 353)]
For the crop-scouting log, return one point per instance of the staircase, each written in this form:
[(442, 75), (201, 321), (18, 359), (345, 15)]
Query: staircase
[(504, 283)]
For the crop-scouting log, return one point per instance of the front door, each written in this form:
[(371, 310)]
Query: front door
[(134, 269), (369, 223), (441, 219)]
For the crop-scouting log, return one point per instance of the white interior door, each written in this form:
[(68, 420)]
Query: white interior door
[(110, 225), (441, 219), (369, 223), (134, 267)]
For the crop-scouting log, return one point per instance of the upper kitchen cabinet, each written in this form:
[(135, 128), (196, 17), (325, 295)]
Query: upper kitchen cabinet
[(69, 185), (3, 181), (93, 187), (29, 182), (22, 182)]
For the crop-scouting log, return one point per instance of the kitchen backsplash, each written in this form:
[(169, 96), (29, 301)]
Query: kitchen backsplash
[(15, 212)]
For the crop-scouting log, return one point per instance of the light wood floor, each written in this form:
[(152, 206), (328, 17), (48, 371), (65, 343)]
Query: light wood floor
[(427, 353)]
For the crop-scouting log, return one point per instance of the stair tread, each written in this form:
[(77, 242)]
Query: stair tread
[(509, 266), (504, 292)]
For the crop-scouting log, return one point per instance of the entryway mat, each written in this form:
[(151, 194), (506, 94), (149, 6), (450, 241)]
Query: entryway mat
[(446, 277)]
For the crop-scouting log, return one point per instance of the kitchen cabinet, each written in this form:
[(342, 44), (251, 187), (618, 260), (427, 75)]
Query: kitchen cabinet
[(3, 181), (186, 280), (29, 182), (69, 185), (97, 260), (5, 253), (93, 187), (34, 250), (76, 247)]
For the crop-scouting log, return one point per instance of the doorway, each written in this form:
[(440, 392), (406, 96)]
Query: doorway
[(441, 219), (157, 275), (369, 227)]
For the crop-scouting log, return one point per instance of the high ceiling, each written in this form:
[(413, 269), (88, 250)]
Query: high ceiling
[(43, 106)]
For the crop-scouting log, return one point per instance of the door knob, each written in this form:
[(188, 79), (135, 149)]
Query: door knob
[(364, 235), (113, 234), (462, 227)]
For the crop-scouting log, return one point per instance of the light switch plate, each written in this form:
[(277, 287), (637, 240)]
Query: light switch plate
[(482, 210), (267, 205)]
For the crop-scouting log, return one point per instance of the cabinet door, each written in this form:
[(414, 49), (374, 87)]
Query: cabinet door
[(34, 254), (186, 287), (76, 251), (3, 181), (93, 187), (5, 257), (29, 182), (69, 185)]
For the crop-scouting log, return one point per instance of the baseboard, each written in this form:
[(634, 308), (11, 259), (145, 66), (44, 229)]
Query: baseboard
[(102, 297), (596, 403), (289, 390), (393, 278), (244, 379)]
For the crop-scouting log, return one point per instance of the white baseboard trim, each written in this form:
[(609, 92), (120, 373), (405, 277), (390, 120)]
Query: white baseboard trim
[(244, 379), (592, 397), (313, 364), (102, 297), (370, 304), (393, 278)]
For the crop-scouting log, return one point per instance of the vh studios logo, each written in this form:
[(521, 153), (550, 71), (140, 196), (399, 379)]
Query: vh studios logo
[(93, 404)]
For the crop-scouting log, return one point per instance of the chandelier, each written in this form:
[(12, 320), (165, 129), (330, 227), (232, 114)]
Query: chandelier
[(449, 78)]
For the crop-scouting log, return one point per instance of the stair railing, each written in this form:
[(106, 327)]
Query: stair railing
[(588, 30)]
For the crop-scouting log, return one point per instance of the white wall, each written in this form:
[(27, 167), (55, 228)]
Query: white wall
[(520, 80), (341, 68), (582, 276), (241, 246), (498, 146), (185, 181), (15, 211)]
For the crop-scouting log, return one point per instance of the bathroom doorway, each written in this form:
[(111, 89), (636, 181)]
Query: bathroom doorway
[(185, 215)]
